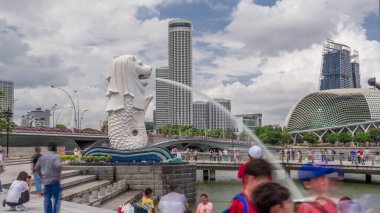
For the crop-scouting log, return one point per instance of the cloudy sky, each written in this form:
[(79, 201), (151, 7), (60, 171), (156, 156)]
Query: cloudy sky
[(263, 55)]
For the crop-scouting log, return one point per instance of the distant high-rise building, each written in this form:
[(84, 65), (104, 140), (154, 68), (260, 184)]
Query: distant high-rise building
[(355, 69), (251, 121), (36, 118), (162, 98), (337, 71), (200, 114), (7, 98), (217, 118), (180, 70)]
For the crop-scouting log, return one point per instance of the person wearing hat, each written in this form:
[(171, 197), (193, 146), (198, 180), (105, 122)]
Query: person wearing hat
[(314, 179), (255, 152), (257, 172)]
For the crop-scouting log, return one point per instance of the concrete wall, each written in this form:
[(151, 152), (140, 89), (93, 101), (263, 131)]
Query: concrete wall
[(140, 176)]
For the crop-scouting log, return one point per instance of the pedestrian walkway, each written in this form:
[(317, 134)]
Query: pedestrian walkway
[(35, 205)]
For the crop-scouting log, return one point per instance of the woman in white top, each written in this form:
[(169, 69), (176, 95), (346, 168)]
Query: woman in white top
[(18, 193)]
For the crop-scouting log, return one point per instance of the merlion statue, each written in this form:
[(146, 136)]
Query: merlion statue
[(127, 103)]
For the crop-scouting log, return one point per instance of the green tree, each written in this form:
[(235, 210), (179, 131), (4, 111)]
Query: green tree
[(285, 136), (149, 126), (375, 134), (89, 130), (60, 126), (243, 136), (362, 137), (333, 137), (310, 137), (345, 137), (104, 128)]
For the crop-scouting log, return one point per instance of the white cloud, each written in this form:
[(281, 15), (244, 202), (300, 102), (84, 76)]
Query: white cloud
[(278, 48), (283, 43)]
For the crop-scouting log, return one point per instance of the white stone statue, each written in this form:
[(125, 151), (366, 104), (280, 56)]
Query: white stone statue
[(127, 103)]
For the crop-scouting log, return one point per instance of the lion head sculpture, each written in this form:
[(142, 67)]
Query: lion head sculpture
[(127, 103)]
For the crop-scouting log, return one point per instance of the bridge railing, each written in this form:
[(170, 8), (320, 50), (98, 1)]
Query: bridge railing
[(368, 160), (161, 138), (56, 131)]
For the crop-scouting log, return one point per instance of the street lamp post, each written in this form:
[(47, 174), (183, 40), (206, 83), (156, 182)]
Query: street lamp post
[(8, 116), (81, 118), (78, 109), (72, 102), (59, 114)]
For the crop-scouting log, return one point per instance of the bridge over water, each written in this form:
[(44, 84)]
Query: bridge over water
[(24, 138), (209, 168)]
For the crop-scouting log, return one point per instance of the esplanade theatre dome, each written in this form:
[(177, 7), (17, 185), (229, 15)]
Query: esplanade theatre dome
[(329, 108)]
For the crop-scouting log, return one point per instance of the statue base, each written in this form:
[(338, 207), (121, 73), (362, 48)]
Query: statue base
[(149, 154)]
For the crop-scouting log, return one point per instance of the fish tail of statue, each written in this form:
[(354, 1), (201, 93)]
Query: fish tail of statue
[(127, 103)]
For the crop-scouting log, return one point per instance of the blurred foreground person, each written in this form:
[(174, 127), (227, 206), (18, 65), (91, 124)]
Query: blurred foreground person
[(314, 179), (272, 198), (18, 193), (36, 177), (255, 152), (173, 201), (205, 206), (257, 171), (49, 168)]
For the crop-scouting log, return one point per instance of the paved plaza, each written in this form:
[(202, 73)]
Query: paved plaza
[(35, 205)]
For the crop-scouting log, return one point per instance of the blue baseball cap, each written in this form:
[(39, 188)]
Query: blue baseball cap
[(310, 171)]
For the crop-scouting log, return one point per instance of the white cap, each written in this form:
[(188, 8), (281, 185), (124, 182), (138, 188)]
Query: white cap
[(255, 152)]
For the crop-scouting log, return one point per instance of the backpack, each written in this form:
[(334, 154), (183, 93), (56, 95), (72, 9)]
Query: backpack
[(242, 199)]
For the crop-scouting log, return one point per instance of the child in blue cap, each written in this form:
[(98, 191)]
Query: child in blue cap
[(314, 179)]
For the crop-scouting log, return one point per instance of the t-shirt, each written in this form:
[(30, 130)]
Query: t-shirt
[(14, 193), (202, 208), (327, 205), (172, 202), (35, 158), (50, 167), (238, 207), (241, 174), (148, 203)]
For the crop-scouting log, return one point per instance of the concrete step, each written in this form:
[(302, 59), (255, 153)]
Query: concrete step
[(126, 197), (16, 161), (75, 180), (70, 173), (65, 174), (77, 191)]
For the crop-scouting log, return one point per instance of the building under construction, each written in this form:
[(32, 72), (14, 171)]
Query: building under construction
[(340, 67)]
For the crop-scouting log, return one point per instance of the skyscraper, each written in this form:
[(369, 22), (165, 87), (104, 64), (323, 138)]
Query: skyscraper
[(217, 118), (7, 99), (162, 98), (355, 69), (180, 70), (200, 114), (337, 71)]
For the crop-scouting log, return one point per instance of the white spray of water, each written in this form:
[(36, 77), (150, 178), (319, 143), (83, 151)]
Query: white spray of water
[(296, 194)]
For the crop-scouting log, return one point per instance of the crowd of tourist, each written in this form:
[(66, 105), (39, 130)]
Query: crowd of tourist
[(325, 155), (260, 193), (46, 170)]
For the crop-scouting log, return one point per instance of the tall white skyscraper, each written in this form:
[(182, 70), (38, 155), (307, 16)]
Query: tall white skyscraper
[(200, 114), (217, 118), (162, 98), (7, 100), (180, 70)]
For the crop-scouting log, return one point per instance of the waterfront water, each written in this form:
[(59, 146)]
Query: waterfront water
[(222, 190)]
